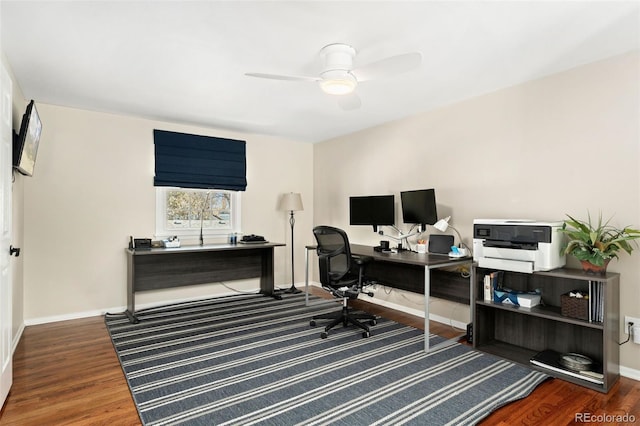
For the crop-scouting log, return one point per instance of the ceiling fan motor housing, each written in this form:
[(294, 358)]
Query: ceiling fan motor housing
[(336, 77), (337, 56)]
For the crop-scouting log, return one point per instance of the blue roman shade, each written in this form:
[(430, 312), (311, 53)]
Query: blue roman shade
[(192, 161)]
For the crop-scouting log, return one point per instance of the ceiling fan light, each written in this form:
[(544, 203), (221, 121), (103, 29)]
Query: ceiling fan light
[(340, 83), (337, 87)]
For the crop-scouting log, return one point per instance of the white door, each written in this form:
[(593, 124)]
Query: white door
[(6, 145)]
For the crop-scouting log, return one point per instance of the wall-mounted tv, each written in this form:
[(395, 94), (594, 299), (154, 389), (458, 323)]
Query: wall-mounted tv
[(374, 210), (25, 143), (419, 207)]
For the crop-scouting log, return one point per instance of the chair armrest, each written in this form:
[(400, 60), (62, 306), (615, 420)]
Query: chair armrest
[(361, 260)]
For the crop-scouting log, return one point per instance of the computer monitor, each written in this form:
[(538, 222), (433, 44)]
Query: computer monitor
[(25, 143), (419, 207), (372, 210)]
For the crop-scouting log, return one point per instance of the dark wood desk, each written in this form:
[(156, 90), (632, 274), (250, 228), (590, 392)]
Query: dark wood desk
[(160, 268), (403, 270)]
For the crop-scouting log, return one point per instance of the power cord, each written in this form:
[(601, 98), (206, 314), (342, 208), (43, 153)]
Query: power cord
[(110, 314), (238, 291), (629, 333)]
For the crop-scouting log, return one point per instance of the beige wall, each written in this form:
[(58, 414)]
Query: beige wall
[(93, 187), (568, 143)]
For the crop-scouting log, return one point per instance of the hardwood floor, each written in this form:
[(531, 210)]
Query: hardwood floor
[(68, 373)]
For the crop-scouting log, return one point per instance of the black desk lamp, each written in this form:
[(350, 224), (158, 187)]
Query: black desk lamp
[(291, 202)]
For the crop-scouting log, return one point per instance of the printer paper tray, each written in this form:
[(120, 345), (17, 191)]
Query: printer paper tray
[(506, 264)]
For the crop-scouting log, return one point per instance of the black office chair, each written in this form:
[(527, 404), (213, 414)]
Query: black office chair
[(337, 276)]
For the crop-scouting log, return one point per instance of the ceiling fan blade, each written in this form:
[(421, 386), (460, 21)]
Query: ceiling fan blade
[(388, 67), (281, 77), (349, 102)]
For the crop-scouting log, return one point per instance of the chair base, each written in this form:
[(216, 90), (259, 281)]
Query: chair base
[(345, 317)]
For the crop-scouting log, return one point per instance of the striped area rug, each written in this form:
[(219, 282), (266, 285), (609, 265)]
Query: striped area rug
[(245, 360)]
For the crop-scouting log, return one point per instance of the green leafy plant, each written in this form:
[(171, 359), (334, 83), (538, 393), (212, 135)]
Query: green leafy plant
[(597, 242)]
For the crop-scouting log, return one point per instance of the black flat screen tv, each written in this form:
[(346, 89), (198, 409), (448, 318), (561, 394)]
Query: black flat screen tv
[(374, 210), (25, 143), (419, 207)]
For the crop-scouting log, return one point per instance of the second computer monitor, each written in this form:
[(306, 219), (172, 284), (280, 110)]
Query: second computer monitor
[(419, 207)]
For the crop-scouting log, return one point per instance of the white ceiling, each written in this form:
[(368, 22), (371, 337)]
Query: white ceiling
[(184, 61)]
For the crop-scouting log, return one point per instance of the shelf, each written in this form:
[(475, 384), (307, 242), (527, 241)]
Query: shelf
[(523, 356), (547, 312), (577, 274), (506, 350)]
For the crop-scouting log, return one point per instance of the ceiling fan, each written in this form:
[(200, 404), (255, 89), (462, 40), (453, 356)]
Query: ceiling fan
[(339, 77)]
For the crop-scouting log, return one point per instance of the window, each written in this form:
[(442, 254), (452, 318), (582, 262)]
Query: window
[(183, 212)]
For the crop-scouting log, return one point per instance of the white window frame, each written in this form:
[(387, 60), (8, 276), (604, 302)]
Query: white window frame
[(222, 234)]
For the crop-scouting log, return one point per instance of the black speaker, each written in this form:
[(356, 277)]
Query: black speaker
[(440, 243)]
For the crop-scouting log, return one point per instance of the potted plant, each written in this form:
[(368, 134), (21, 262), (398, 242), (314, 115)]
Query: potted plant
[(596, 243)]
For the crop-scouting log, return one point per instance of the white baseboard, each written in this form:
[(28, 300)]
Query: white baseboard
[(71, 316), (120, 309), (16, 339), (630, 373)]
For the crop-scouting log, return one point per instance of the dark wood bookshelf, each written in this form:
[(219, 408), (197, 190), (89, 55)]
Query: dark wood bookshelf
[(518, 333)]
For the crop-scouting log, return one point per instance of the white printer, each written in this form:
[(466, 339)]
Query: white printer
[(517, 245)]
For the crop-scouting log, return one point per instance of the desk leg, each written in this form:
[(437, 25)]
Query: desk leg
[(427, 290), (133, 319), (306, 277), (266, 278), (427, 293), (131, 294)]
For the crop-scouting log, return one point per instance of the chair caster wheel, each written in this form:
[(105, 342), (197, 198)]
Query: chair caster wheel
[(312, 323), (366, 334), (324, 335), (373, 322)]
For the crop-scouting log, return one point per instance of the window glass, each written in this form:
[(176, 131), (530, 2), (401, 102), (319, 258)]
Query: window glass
[(184, 212)]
